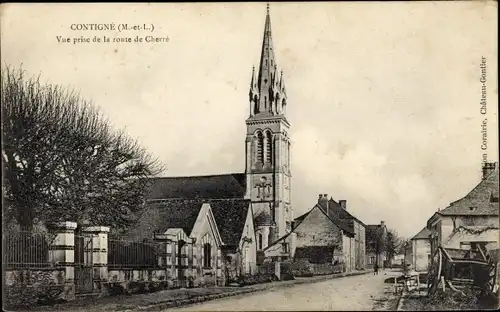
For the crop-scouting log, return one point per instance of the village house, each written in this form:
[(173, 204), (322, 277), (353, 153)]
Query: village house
[(338, 210), (421, 250), (318, 238), (375, 245), (403, 256), (472, 220)]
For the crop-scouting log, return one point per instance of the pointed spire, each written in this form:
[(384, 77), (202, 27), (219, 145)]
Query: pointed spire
[(252, 83), (269, 84), (253, 86), (267, 59)]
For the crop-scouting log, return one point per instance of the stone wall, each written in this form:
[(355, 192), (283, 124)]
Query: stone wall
[(50, 275)]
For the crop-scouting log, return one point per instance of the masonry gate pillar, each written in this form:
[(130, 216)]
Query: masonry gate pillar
[(99, 236), (277, 268), (62, 254)]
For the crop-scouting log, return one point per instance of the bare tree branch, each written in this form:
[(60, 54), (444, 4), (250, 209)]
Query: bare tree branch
[(63, 161)]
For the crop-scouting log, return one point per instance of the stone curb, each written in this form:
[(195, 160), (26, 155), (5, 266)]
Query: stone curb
[(183, 302)]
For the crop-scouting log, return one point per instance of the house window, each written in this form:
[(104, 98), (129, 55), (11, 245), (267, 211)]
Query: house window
[(207, 256), (371, 260), (285, 247)]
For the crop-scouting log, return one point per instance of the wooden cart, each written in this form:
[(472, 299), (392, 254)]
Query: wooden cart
[(456, 268)]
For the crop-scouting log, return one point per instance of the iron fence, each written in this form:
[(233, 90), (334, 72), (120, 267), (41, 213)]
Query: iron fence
[(26, 249), (134, 254)]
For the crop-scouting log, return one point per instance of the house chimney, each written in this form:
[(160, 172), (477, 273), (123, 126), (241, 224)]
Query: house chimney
[(323, 202), (343, 204), (488, 168), (382, 223)]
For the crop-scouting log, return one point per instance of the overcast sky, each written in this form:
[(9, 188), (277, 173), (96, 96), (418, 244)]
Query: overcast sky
[(383, 98)]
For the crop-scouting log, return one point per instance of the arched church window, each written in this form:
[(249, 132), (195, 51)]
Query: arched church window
[(260, 147), (260, 241), (269, 141)]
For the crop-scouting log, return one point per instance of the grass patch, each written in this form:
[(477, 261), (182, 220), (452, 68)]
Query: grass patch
[(449, 300)]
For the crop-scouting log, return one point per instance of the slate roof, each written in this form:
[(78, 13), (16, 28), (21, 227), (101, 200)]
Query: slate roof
[(315, 254), (341, 212), (342, 224), (174, 213), (194, 187), (230, 216), (479, 201), (423, 234)]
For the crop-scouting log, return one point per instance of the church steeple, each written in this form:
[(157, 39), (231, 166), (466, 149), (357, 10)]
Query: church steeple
[(267, 92), (267, 147)]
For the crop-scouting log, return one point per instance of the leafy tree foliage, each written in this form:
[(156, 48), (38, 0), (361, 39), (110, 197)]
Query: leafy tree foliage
[(63, 161), (392, 242)]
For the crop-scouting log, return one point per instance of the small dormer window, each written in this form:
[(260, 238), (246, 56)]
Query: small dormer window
[(494, 197), (471, 208)]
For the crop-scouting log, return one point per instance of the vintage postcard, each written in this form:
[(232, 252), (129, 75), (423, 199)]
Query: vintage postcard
[(327, 156)]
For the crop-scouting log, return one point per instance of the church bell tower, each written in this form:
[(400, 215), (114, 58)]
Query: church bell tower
[(268, 148)]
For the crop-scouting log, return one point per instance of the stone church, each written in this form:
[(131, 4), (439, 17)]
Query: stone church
[(263, 190)]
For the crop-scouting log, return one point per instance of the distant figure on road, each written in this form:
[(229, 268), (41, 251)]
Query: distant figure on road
[(375, 269)]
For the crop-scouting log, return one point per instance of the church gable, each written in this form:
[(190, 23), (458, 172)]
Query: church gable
[(206, 227)]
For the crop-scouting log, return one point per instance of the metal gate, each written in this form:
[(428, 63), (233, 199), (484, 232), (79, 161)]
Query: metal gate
[(84, 271)]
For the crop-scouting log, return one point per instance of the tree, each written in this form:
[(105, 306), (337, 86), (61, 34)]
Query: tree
[(62, 161), (376, 241), (392, 242)]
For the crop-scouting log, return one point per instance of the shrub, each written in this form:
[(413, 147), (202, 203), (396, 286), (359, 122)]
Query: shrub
[(246, 280), (137, 287), (302, 268), (286, 271), (116, 289), (32, 288)]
